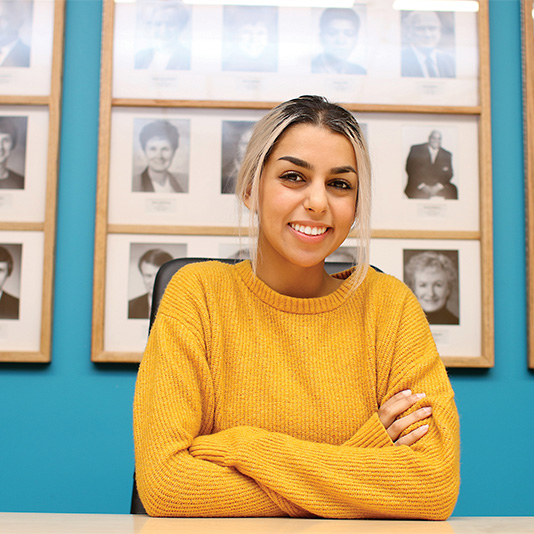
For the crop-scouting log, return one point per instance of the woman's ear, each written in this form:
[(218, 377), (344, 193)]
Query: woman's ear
[(247, 199)]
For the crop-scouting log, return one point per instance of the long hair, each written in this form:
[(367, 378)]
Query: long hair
[(317, 111)]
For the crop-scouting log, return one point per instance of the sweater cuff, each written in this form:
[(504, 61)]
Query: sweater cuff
[(372, 434)]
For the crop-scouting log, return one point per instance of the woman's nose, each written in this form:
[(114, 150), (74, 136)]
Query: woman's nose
[(316, 199)]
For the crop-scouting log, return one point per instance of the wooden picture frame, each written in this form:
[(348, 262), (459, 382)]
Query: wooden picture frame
[(527, 10), (42, 109), (466, 125)]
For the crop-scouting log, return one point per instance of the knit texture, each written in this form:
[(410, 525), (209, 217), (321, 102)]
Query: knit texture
[(252, 403)]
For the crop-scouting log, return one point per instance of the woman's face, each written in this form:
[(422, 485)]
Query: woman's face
[(431, 288), (159, 154), (6, 146), (308, 193)]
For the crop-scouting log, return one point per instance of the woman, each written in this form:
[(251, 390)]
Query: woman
[(159, 141), (270, 388), (432, 277)]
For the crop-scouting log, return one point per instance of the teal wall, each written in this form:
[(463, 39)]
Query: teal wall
[(65, 428)]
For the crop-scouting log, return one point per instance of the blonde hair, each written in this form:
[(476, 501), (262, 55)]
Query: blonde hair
[(314, 110)]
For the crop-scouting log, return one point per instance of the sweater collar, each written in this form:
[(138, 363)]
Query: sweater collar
[(293, 304)]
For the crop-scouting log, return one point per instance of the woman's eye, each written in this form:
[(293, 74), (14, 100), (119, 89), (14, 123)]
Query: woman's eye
[(341, 184), (291, 177)]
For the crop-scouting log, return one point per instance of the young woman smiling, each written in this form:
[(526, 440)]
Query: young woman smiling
[(270, 388)]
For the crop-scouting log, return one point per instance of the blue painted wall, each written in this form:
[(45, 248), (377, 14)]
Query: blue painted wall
[(65, 428)]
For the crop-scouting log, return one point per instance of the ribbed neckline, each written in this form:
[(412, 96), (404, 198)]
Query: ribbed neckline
[(294, 304)]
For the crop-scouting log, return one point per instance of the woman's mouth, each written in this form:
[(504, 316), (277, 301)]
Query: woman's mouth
[(309, 230)]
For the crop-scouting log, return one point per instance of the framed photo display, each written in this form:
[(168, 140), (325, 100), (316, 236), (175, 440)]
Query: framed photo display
[(31, 58), (527, 8), (195, 91)]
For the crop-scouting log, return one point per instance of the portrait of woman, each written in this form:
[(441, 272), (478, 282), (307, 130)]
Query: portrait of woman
[(250, 38), (272, 388), (433, 277), (235, 138), (159, 141)]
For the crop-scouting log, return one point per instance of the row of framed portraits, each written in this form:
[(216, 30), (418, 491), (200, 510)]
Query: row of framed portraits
[(179, 99), (201, 150), (166, 49), (31, 57), (453, 309)]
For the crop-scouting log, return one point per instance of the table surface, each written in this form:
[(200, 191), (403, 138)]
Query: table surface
[(26, 523)]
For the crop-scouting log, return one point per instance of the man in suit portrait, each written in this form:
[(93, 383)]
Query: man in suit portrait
[(9, 179), (422, 56), (148, 265), (338, 32), (429, 169), (165, 23), (13, 52), (159, 141), (9, 305)]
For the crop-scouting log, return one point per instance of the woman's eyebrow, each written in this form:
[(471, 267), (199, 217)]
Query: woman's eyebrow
[(297, 161), (305, 165)]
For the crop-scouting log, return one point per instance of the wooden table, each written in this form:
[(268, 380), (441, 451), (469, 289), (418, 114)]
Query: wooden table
[(26, 523)]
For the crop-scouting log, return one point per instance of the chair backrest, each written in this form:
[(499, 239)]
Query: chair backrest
[(165, 273)]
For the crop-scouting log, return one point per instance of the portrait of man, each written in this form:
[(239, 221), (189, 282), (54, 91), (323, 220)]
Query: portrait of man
[(9, 141), (13, 51), (432, 275), (148, 265), (9, 304), (338, 33), (163, 23), (250, 38), (423, 53), (159, 141), (235, 138), (429, 170)]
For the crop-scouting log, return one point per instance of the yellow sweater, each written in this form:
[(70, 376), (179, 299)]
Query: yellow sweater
[(252, 403)]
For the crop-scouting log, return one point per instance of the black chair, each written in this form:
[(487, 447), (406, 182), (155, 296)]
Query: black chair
[(165, 273)]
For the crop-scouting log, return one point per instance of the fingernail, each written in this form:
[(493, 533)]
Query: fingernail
[(421, 395), (407, 391), (424, 428), (427, 409)]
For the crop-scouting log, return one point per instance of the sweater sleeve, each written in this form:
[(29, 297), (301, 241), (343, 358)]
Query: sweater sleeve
[(174, 402), (366, 477)]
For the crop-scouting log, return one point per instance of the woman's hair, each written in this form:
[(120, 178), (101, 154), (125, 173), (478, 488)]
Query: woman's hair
[(7, 126), (154, 256), (429, 259), (160, 129), (6, 257), (317, 111)]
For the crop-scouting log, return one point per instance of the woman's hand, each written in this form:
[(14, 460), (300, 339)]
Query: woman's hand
[(392, 408)]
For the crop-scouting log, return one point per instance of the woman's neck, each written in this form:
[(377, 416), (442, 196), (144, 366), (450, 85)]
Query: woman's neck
[(295, 281), (156, 176)]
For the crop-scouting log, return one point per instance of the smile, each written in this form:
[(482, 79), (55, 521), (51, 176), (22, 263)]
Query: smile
[(309, 230)]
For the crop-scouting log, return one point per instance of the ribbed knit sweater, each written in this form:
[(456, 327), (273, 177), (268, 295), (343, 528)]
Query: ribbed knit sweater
[(253, 403)]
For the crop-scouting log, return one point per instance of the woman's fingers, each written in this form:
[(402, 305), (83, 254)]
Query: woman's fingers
[(399, 403), (412, 436), (400, 425)]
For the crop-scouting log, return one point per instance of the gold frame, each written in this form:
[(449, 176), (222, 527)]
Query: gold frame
[(48, 227), (528, 90), (103, 228)]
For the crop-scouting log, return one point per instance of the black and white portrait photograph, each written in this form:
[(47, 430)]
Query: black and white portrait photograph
[(433, 277), (13, 134), (429, 169), (428, 44), (340, 38), (145, 261), (15, 39), (235, 138), (163, 35), (250, 38), (10, 262), (161, 156)]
